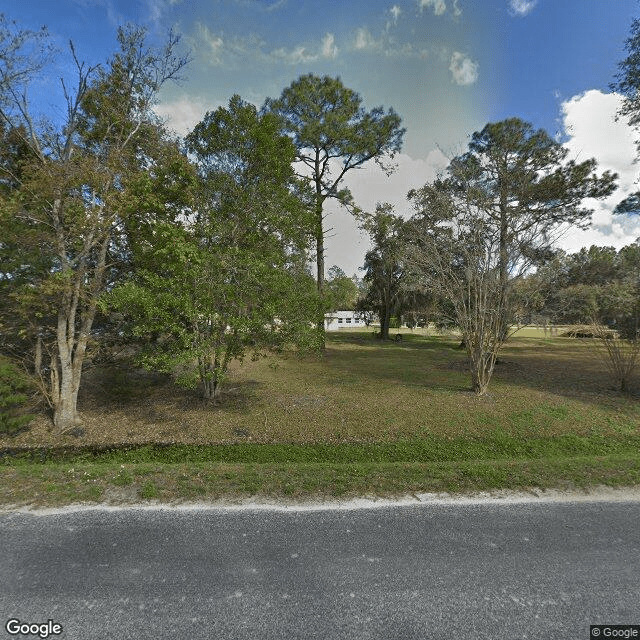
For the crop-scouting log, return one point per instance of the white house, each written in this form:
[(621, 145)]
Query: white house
[(343, 320)]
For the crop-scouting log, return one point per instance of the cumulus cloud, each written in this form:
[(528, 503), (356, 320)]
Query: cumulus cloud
[(521, 7), (182, 114), (439, 6), (394, 14), (592, 132), (329, 49), (214, 44), (463, 70)]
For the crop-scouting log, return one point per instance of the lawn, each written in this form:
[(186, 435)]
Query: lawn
[(367, 417)]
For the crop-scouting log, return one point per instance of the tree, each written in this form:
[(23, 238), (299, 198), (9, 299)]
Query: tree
[(384, 269), (627, 83), (232, 278), (594, 284), (627, 80), (333, 134), (493, 217), (14, 387), (342, 291), (23, 54), (70, 194), (620, 355)]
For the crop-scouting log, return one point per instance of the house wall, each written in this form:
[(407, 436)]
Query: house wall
[(337, 320)]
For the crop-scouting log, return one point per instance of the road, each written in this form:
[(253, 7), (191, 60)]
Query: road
[(432, 571)]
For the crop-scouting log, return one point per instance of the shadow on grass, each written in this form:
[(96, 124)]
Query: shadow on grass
[(560, 366), (496, 445), (141, 391), (409, 341)]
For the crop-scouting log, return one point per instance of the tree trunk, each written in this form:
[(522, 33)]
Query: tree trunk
[(503, 311), (210, 389), (385, 321), (320, 265), (66, 369), (65, 384), (37, 360), (481, 365), (212, 370)]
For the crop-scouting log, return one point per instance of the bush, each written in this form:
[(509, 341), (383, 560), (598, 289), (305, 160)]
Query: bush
[(13, 398), (621, 356)]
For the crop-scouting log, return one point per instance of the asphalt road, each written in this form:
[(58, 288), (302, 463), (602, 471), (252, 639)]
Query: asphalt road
[(477, 571)]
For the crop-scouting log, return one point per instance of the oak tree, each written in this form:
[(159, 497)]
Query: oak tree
[(228, 279), (383, 264)]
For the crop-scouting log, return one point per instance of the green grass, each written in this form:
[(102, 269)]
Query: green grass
[(321, 481), (496, 445), (368, 418)]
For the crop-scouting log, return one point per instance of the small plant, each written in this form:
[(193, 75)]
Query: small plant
[(149, 490), (619, 354)]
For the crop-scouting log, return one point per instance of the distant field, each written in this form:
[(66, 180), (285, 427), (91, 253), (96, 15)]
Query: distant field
[(524, 332), (404, 411)]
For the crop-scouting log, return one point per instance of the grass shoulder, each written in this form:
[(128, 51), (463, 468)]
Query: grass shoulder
[(366, 418)]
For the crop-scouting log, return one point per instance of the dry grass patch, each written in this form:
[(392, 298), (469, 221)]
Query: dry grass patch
[(360, 390)]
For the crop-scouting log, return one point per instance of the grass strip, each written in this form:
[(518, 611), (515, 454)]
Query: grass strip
[(57, 484), (496, 445)]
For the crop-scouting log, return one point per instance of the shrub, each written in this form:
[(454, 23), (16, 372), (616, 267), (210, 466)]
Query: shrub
[(620, 355), (14, 386)]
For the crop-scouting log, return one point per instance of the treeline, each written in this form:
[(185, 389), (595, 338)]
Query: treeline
[(598, 283), (196, 252)]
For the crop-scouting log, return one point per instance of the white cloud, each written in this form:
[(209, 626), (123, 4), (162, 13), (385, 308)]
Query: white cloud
[(457, 11), (346, 244), (261, 5), (394, 12), (214, 44), (463, 69), (183, 114), (220, 50), (329, 48), (439, 6), (114, 17), (276, 5), (589, 122), (385, 45), (297, 55), (364, 40), (521, 7)]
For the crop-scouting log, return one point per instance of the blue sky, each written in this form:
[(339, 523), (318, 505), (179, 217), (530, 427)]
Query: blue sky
[(446, 66)]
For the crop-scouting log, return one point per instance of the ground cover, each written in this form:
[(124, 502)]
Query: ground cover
[(365, 418)]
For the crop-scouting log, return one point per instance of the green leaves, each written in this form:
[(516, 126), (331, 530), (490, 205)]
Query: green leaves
[(13, 397), (227, 280), (513, 170), (384, 265), (326, 120), (479, 230)]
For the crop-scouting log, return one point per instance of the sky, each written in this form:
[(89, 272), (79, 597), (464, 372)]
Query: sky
[(447, 67)]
